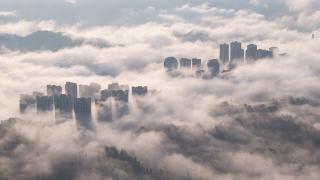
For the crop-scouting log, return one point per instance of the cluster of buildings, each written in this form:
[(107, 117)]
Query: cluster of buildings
[(230, 55), (77, 100)]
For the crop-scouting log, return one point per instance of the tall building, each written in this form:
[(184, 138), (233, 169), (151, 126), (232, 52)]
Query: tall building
[(117, 86), (140, 91), (224, 53), (185, 63), (91, 91), (26, 102), (63, 103), (53, 90), (118, 92), (105, 94), (104, 111), (63, 107), (121, 95), (196, 63), (121, 109), (82, 110), (35, 94), (236, 52), (71, 89), (251, 52), (44, 103), (213, 67), (262, 54), (82, 106), (170, 63)]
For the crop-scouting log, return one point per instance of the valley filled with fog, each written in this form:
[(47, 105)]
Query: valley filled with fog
[(259, 120)]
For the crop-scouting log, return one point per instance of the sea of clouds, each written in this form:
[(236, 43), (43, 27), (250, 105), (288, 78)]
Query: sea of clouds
[(260, 121)]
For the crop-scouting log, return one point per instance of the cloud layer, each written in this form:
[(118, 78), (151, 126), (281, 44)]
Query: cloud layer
[(259, 121)]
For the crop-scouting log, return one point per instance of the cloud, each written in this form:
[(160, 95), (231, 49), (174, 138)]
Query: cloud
[(7, 13), (71, 1), (264, 114)]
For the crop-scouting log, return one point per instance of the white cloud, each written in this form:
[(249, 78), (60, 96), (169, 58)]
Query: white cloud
[(8, 13), (71, 1)]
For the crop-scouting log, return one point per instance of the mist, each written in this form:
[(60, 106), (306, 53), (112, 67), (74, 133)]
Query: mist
[(257, 121)]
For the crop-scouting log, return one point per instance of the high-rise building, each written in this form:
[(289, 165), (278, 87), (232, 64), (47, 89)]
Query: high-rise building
[(36, 93), (196, 63), (170, 63), (71, 89), (213, 67), (236, 52), (121, 109), (118, 92), (26, 102), (113, 86), (185, 63), (105, 94), (224, 53), (96, 88), (140, 91), (117, 86), (82, 110), (53, 90), (262, 54), (104, 111), (91, 91), (82, 106), (251, 52), (121, 95), (63, 107), (44, 103), (63, 103)]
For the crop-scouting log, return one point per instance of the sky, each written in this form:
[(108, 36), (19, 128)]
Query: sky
[(265, 114)]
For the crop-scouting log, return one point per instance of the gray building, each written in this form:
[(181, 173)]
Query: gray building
[(140, 91), (82, 110), (63, 107), (44, 103), (104, 111), (185, 63), (213, 67), (82, 106), (63, 103), (196, 63), (54, 90), (26, 102), (262, 54), (236, 52), (224, 53), (71, 89), (252, 52), (105, 94), (91, 91), (171, 63), (117, 86), (118, 92), (121, 95)]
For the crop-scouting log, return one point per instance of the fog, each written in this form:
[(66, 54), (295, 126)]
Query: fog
[(259, 121)]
